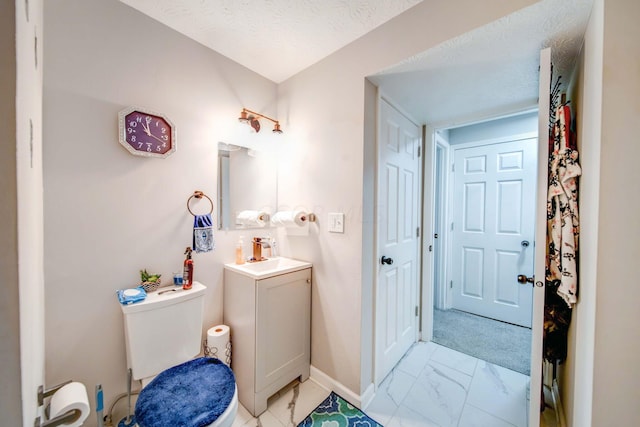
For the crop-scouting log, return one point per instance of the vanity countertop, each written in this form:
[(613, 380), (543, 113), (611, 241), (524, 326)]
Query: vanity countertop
[(270, 267)]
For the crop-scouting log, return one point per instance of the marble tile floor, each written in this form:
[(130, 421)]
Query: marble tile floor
[(432, 386), (287, 407)]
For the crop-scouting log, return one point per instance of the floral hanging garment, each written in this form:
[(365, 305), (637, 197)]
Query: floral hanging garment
[(562, 236)]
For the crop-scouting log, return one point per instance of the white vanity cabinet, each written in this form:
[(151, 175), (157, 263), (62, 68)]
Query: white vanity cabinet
[(269, 317)]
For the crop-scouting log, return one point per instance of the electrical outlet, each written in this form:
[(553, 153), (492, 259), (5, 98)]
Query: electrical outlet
[(336, 222)]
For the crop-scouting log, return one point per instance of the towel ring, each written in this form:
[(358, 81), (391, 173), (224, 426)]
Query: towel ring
[(198, 195)]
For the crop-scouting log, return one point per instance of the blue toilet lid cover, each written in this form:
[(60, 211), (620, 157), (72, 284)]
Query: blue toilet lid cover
[(193, 394)]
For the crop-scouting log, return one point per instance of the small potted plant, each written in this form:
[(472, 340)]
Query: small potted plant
[(149, 282)]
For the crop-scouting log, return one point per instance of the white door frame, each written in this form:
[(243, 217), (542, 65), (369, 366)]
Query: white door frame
[(428, 203), (441, 207)]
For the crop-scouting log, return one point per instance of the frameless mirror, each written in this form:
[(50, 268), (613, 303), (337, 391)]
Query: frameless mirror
[(247, 187)]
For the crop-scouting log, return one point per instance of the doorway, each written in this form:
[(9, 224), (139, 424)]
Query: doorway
[(483, 226)]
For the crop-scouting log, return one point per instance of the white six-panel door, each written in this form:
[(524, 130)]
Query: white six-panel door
[(537, 317), (493, 229), (398, 204)]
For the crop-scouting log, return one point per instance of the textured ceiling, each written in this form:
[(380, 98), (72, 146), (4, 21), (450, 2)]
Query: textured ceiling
[(275, 38), (490, 71), (487, 72)]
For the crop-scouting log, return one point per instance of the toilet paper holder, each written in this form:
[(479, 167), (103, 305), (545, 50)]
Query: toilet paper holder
[(66, 418)]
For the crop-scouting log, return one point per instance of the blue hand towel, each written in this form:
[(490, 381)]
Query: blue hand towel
[(203, 233)]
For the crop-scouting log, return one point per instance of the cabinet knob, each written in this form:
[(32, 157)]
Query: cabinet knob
[(308, 280)]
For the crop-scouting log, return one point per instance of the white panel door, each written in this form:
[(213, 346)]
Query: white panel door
[(544, 96), (493, 229), (398, 206)]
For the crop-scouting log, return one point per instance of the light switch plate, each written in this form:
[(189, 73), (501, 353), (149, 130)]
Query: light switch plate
[(336, 222)]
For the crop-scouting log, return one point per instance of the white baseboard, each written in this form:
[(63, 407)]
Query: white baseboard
[(368, 396), (329, 383)]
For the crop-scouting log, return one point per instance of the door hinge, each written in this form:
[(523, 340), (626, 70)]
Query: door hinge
[(451, 284), (419, 150), (430, 248), (417, 231), (417, 311), (453, 167), (451, 226)]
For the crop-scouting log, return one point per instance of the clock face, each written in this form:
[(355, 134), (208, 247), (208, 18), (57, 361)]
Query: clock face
[(145, 133)]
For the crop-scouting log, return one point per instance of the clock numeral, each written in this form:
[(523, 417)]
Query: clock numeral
[(133, 138), (140, 144), (130, 131), (158, 149), (149, 144), (157, 123), (164, 130), (165, 138), (164, 145), (133, 123), (139, 119)]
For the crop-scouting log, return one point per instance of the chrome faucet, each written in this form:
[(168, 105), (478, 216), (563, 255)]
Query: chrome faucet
[(258, 244)]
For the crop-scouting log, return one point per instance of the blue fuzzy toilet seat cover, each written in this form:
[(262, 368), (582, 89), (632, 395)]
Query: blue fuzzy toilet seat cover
[(193, 394)]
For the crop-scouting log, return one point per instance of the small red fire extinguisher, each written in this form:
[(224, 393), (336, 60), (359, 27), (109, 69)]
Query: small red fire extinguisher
[(187, 272)]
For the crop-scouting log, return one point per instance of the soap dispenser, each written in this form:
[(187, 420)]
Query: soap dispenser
[(240, 251)]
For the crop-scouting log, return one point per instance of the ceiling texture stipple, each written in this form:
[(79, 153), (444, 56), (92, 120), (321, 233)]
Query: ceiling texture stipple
[(276, 38), (490, 71)]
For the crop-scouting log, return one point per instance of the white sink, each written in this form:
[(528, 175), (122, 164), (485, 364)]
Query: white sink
[(269, 267)]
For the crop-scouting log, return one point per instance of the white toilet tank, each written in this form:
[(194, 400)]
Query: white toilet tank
[(164, 330)]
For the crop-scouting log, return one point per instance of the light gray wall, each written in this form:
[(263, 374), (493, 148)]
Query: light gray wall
[(10, 393), (616, 372), (108, 213), (601, 377), (494, 129), (576, 380)]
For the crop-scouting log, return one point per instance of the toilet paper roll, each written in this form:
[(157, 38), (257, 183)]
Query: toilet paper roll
[(69, 397), (219, 343), (290, 219), (252, 218)]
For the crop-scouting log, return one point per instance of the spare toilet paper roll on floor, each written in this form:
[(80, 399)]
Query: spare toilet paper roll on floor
[(69, 397), (290, 219), (251, 218), (219, 343)]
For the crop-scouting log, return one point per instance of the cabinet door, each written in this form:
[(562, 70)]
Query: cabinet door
[(283, 326)]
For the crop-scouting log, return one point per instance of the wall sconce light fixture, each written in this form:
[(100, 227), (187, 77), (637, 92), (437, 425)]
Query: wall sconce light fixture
[(251, 118)]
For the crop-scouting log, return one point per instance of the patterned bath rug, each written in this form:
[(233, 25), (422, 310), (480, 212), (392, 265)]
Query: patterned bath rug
[(334, 411)]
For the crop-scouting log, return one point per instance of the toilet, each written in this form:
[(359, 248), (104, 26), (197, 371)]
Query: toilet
[(162, 338)]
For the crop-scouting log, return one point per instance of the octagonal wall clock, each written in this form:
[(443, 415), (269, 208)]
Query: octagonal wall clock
[(145, 133)]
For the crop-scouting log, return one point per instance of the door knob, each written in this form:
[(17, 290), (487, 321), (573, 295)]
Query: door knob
[(386, 260), (524, 279), (524, 243)]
